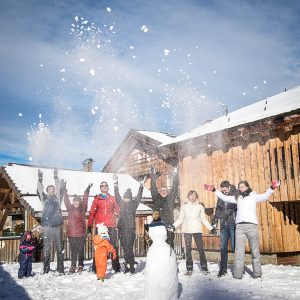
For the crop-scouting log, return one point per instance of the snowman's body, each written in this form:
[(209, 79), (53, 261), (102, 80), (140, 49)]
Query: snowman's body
[(161, 266)]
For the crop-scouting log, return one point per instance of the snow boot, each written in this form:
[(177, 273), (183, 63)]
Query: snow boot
[(80, 269), (132, 269), (222, 273), (188, 272), (127, 266)]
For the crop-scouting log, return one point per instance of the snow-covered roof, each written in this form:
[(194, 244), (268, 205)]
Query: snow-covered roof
[(25, 180), (276, 105), (158, 136)]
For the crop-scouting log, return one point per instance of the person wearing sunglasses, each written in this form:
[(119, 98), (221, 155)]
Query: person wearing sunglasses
[(105, 209)]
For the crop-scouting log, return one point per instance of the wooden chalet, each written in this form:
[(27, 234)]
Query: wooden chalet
[(138, 152), (256, 143)]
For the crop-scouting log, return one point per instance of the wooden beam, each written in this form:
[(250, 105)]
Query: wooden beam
[(4, 198), (3, 219), (4, 190), (9, 205)]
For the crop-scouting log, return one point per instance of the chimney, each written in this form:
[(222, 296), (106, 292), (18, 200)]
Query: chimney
[(88, 165)]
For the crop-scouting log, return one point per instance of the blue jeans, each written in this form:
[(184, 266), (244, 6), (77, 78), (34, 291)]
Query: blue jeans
[(226, 232)]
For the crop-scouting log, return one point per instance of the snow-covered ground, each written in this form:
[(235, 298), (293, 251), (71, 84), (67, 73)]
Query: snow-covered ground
[(278, 282)]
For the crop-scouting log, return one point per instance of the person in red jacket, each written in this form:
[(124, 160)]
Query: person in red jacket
[(105, 209), (76, 230)]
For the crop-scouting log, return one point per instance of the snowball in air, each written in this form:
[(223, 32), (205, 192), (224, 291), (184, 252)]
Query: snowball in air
[(93, 111), (63, 70), (144, 28), (108, 9), (166, 51), (20, 115), (30, 158), (82, 59), (92, 72)]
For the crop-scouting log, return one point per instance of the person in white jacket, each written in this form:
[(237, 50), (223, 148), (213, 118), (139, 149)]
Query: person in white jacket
[(246, 224), (191, 217)]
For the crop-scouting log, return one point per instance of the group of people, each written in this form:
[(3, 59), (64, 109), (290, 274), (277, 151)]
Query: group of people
[(114, 216), (110, 216)]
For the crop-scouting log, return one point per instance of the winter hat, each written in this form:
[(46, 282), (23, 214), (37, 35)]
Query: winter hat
[(77, 198), (128, 194), (102, 231)]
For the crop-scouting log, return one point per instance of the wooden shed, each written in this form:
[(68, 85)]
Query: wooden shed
[(256, 143)]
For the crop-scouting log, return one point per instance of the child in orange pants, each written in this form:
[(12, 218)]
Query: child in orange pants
[(102, 248)]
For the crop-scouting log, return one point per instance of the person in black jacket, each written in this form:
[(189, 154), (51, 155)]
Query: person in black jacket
[(51, 221), (164, 202), (226, 213), (126, 223)]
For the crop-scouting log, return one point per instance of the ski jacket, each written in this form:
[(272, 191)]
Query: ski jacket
[(102, 248), (104, 210), (226, 212), (26, 248), (164, 205), (246, 206), (76, 216), (191, 217), (51, 215), (128, 209)]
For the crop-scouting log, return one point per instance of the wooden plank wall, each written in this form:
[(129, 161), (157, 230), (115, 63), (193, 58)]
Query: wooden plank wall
[(258, 162)]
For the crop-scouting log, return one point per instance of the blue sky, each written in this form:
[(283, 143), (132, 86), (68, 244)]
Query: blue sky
[(76, 76)]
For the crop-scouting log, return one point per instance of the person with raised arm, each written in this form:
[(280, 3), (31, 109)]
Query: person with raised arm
[(164, 201), (246, 223), (126, 224), (76, 230), (51, 221)]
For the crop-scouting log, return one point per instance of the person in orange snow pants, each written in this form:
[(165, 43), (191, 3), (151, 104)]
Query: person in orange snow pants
[(102, 248)]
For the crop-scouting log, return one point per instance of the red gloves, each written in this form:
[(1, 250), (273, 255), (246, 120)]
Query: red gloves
[(275, 184), (209, 187)]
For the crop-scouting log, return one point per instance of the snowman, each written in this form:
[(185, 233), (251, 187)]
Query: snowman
[(161, 266)]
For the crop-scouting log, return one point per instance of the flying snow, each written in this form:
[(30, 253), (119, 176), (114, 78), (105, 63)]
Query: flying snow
[(92, 72), (144, 28), (166, 52)]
